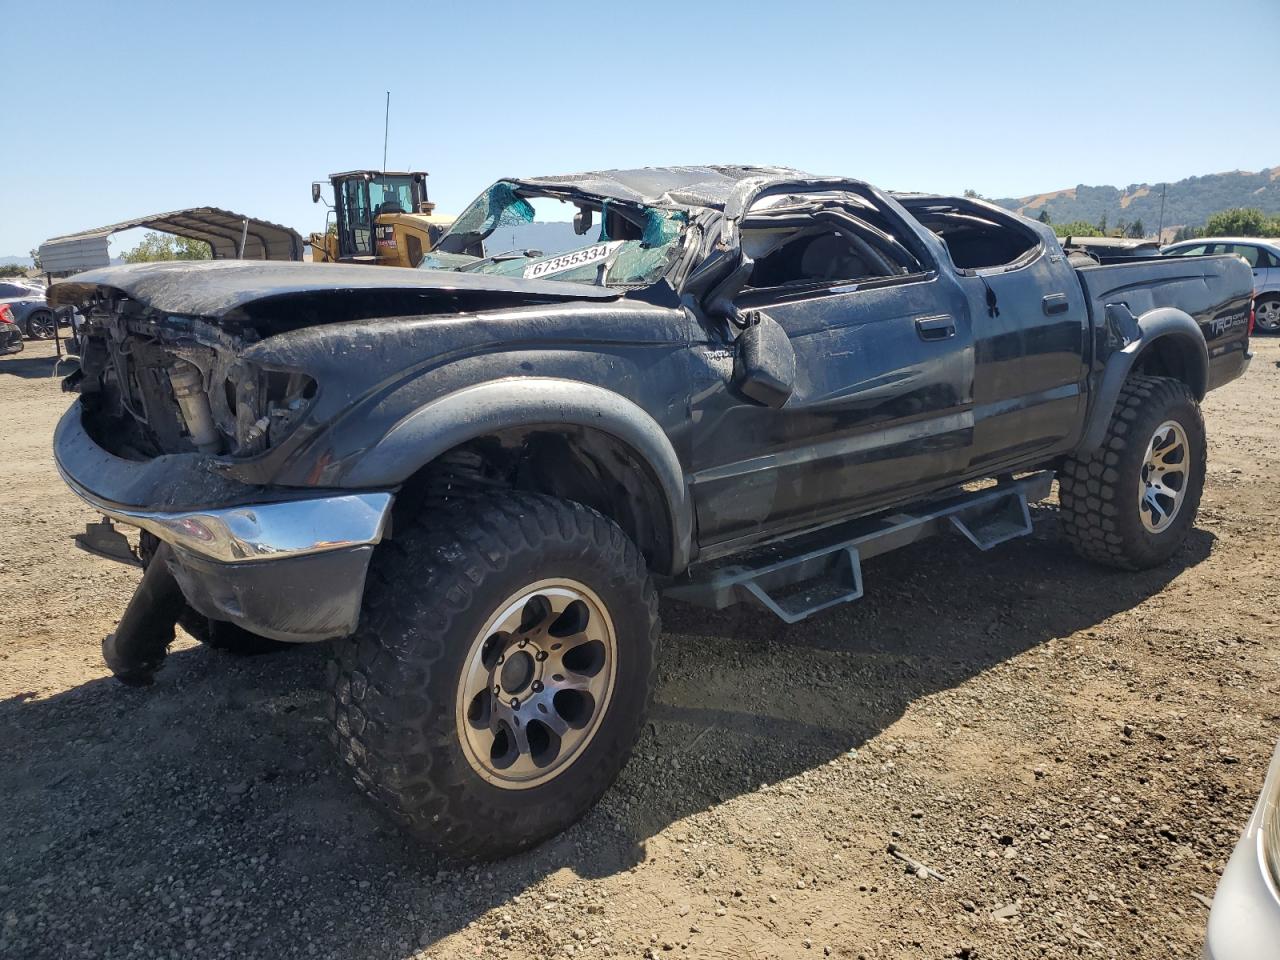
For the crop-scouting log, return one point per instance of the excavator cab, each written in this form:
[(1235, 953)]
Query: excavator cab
[(378, 218)]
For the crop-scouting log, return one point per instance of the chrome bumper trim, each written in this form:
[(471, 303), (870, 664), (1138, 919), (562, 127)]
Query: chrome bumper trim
[(259, 531)]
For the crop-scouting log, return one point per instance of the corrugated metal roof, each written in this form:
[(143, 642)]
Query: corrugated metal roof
[(223, 230)]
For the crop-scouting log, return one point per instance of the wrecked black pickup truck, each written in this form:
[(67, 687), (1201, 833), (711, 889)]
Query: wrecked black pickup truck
[(474, 478)]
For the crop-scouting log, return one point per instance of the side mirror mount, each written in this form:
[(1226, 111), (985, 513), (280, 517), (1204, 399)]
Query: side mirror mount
[(764, 365), (315, 193), (719, 301)]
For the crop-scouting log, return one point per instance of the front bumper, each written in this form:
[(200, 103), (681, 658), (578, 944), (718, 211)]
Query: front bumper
[(279, 563), (1244, 923), (10, 339)]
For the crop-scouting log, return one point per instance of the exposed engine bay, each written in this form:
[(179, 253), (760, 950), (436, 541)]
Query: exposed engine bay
[(155, 383)]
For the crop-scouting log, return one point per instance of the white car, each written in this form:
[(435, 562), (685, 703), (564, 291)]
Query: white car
[(1244, 923), (1263, 256)]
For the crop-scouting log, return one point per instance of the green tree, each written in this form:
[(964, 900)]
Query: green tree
[(34, 254), (1240, 222), (1102, 226), (973, 195), (1077, 228), (1044, 216), (166, 246), (1186, 233), (1136, 230), (12, 270)]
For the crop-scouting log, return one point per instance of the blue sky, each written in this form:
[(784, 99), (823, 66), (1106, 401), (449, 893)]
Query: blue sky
[(119, 109)]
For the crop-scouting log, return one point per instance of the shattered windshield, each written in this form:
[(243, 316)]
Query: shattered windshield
[(515, 231)]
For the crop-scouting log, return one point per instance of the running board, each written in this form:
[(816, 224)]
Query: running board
[(798, 577)]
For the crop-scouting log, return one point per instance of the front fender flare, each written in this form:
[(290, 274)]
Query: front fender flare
[(1163, 323), (471, 412)]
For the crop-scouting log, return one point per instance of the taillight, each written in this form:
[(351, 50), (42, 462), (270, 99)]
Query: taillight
[(6, 313)]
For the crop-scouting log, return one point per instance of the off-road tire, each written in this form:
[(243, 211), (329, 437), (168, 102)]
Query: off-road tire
[(394, 683), (1099, 494)]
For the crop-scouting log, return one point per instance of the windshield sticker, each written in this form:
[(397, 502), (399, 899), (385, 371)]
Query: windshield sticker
[(571, 261)]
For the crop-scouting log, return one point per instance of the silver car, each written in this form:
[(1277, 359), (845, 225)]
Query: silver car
[(1262, 255), (1244, 923)]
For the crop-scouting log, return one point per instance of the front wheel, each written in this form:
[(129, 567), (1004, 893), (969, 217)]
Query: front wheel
[(41, 325), (1132, 502), (501, 671)]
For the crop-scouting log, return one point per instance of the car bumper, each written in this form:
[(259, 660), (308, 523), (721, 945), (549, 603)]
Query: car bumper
[(280, 563), (10, 339), (1244, 923)]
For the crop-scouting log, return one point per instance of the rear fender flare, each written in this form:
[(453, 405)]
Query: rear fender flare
[(475, 411), (1167, 326)]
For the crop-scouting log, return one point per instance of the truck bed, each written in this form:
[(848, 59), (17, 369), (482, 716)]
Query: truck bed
[(1215, 291)]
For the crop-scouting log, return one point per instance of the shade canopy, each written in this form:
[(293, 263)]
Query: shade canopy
[(224, 231)]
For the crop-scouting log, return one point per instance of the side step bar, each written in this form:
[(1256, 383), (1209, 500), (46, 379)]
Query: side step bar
[(801, 576)]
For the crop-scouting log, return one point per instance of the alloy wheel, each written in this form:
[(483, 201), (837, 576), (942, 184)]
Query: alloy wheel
[(1162, 484), (42, 326), (1266, 315), (536, 684)]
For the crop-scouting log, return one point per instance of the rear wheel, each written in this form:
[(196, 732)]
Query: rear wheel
[(1132, 502), (41, 325), (501, 672), (1266, 315)]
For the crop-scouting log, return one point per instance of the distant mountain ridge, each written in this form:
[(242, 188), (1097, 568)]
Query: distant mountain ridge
[(1188, 202), (16, 262)]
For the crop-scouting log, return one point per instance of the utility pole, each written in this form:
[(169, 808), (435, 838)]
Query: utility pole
[(386, 126), (1164, 188)]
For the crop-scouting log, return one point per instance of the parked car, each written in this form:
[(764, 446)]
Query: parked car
[(33, 315), (1244, 922), (474, 478), (1263, 257), (10, 334)]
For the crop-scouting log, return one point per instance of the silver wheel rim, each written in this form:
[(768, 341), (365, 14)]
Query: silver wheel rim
[(536, 684), (42, 327), (1267, 315), (1162, 484)]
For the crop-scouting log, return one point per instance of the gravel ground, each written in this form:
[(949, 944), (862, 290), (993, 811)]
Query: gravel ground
[(1073, 749)]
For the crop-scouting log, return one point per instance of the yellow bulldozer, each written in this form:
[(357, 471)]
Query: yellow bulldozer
[(377, 218)]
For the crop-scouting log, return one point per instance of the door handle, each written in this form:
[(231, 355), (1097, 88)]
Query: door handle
[(1055, 303), (936, 328)]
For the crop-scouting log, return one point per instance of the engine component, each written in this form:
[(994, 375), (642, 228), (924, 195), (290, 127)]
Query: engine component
[(188, 388)]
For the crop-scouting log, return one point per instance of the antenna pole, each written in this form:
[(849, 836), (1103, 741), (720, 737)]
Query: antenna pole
[(386, 126), (1164, 188)]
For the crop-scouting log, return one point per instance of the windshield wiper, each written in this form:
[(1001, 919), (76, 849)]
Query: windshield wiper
[(500, 257)]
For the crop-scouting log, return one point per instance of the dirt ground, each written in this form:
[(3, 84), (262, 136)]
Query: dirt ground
[(1073, 749)]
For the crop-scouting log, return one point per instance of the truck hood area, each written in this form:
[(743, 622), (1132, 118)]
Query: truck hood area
[(217, 289)]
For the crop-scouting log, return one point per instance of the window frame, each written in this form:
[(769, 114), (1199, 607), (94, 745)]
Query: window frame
[(756, 297)]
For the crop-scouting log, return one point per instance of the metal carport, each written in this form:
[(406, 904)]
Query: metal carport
[(231, 236)]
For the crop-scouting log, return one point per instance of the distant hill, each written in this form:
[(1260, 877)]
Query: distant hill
[(1188, 202), (16, 262)]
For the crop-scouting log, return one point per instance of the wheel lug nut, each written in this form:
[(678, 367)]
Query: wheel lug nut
[(500, 660), (515, 703), (541, 655), (497, 688), (523, 643), (537, 686)]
